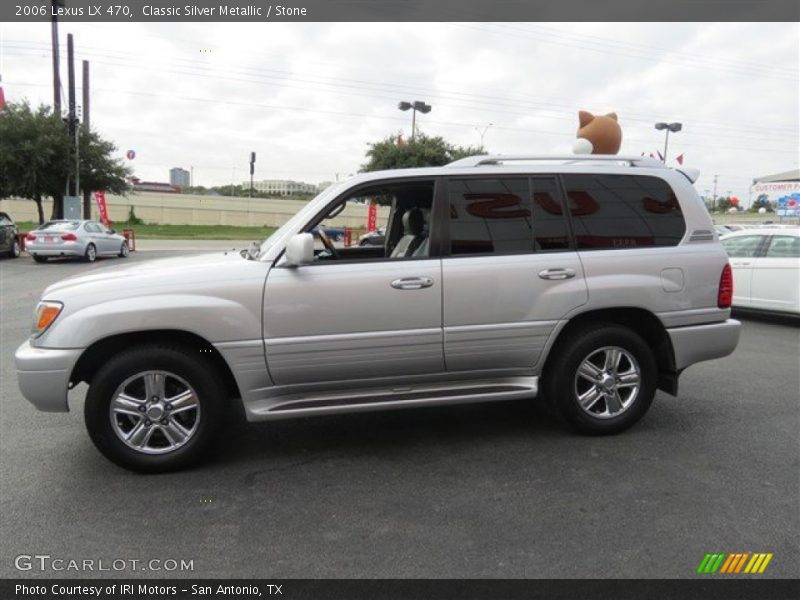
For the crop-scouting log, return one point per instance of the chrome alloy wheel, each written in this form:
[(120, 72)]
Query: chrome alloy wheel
[(607, 382), (155, 412)]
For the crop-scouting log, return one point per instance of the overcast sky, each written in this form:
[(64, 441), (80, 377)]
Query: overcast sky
[(309, 97)]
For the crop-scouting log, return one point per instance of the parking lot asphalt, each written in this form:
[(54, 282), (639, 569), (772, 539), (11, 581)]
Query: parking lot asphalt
[(499, 490)]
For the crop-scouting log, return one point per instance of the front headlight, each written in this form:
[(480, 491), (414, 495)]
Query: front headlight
[(44, 315)]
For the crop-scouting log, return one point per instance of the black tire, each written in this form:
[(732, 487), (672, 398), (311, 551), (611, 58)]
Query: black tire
[(124, 251), (91, 253), (40, 259), (198, 372), (561, 383), (14, 252)]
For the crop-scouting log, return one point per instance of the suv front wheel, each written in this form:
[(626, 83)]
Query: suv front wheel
[(602, 380), (154, 408)]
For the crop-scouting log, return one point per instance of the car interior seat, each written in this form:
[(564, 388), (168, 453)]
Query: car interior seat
[(413, 234)]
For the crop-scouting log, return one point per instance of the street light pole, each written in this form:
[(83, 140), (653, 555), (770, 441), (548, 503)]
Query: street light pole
[(673, 127), (414, 106), (482, 132)]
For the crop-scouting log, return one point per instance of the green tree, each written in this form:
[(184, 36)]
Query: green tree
[(36, 157), (99, 171), (761, 201), (34, 151), (423, 151)]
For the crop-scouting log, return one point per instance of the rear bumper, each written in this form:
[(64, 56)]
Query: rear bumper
[(703, 342), (65, 249), (43, 375)]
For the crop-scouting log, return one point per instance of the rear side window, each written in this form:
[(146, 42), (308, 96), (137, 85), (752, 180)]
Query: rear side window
[(623, 211), (742, 246), (490, 216), (784, 246)]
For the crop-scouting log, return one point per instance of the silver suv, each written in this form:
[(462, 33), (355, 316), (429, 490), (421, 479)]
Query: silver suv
[(593, 281)]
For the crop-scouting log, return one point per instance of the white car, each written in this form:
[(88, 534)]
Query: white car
[(766, 268)]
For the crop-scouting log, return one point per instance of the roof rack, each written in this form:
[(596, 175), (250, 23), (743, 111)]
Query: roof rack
[(496, 159)]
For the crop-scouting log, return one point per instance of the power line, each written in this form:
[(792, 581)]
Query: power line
[(737, 130), (559, 134), (315, 86)]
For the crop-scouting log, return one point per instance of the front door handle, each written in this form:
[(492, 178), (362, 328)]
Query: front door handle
[(412, 283), (557, 273)]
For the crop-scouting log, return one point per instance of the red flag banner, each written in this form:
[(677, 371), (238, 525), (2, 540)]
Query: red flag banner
[(100, 198), (372, 216), (680, 159), (2, 99)]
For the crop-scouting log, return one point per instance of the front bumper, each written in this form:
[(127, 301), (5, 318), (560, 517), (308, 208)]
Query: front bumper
[(43, 375), (704, 342)]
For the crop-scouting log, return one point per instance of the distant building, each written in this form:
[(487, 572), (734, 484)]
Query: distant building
[(323, 185), (777, 186), (281, 187), (179, 177), (154, 186)]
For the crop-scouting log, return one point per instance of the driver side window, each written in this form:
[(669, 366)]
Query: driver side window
[(399, 216)]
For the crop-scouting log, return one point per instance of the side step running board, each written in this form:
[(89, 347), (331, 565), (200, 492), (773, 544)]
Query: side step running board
[(294, 405)]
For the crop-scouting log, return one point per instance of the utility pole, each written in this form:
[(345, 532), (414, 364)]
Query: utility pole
[(71, 191), (87, 194), (714, 201), (56, 57), (252, 171)]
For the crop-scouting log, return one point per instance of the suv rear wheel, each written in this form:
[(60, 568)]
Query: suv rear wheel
[(154, 408), (603, 379)]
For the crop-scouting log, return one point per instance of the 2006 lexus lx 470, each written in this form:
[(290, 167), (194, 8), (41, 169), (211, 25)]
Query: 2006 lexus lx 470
[(592, 281)]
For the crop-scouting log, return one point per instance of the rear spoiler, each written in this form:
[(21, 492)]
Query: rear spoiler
[(690, 173)]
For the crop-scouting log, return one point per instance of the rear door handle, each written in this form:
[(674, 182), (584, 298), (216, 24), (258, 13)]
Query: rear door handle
[(412, 283), (557, 273)]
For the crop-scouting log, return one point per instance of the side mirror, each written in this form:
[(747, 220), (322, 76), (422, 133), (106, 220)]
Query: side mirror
[(300, 250), (112, 231)]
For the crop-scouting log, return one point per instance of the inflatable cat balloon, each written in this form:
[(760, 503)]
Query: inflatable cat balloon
[(599, 134)]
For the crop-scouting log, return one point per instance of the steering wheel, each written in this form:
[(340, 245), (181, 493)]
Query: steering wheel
[(326, 241)]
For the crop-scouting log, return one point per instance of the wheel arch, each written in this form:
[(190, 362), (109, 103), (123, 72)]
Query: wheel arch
[(93, 357), (641, 321)]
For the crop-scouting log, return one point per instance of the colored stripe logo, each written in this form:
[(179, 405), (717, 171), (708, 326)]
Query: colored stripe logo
[(733, 563)]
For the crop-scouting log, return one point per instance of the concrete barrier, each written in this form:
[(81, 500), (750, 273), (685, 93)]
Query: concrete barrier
[(185, 209)]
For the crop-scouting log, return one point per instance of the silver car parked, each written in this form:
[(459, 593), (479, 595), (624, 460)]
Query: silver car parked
[(73, 238), (593, 281)]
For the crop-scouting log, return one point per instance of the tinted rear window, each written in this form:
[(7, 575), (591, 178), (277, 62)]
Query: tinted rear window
[(623, 211), (60, 226), (490, 216)]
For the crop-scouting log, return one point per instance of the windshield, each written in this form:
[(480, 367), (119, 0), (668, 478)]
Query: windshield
[(60, 226), (293, 221)]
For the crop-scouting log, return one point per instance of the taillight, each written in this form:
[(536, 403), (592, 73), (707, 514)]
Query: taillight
[(725, 294), (30, 237), (69, 237)]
